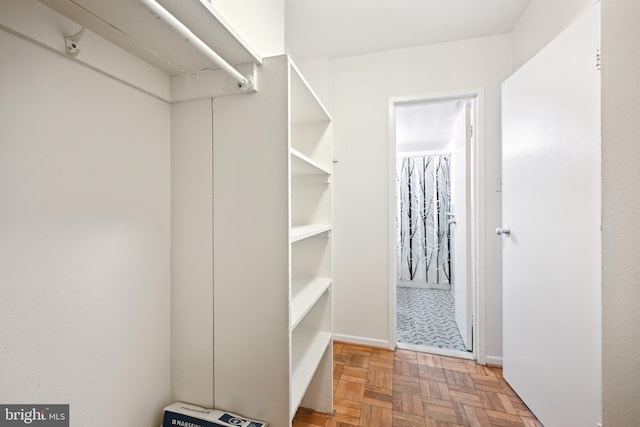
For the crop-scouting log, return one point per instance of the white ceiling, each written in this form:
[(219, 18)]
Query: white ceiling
[(426, 127), (317, 28)]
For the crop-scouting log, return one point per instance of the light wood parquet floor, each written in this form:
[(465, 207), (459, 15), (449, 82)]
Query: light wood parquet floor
[(375, 387)]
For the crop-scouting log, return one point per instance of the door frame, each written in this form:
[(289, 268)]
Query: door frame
[(477, 194)]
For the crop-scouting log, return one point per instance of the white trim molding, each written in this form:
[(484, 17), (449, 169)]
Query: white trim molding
[(493, 360), (478, 232), (371, 342), (437, 350)]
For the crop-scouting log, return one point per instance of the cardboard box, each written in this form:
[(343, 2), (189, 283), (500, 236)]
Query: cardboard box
[(185, 415)]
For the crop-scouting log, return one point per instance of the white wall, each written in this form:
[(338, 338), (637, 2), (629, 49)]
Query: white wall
[(621, 210), (192, 252), (360, 88), (84, 190), (542, 22), (259, 23)]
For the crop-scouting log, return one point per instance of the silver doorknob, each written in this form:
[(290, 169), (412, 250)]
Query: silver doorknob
[(506, 231)]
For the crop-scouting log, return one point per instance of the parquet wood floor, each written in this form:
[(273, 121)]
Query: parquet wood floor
[(375, 387)]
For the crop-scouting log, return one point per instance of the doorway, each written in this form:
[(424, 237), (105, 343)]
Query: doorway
[(433, 286)]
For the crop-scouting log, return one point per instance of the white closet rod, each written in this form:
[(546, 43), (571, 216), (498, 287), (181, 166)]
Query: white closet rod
[(163, 14)]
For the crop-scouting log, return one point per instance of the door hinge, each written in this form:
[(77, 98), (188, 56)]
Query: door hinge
[(471, 131), (598, 59)]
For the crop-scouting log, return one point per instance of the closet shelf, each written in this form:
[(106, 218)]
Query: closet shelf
[(129, 25), (303, 165), (308, 105), (308, 348), (305, 293), (306, 231)]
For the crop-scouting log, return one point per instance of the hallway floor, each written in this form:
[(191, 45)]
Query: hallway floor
[(426, 317), (374, 387)]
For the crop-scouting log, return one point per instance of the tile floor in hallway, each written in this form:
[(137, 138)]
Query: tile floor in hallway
[(427, 317), (378, 387)]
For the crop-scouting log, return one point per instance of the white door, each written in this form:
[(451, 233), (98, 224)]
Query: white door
[(551, 203), (461, 231)]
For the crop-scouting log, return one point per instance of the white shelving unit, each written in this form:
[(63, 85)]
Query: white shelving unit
[(273, 249)]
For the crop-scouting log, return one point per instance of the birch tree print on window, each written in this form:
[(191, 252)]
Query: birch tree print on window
[(423, 190)]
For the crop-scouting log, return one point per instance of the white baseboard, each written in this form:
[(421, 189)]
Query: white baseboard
[(371, 342), (436, 350), (494, 360)]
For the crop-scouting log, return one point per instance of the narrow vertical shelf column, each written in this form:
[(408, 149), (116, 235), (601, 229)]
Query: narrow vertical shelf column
[(273, 249), (311, 218)]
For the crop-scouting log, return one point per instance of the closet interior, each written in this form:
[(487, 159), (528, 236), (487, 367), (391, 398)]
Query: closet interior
[(251, 212)]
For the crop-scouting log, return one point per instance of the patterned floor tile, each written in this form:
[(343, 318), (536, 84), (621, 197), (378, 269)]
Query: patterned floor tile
[(427, 317)]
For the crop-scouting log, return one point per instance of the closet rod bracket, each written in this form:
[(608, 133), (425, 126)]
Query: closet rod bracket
[(247, 84), (72, 43)]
